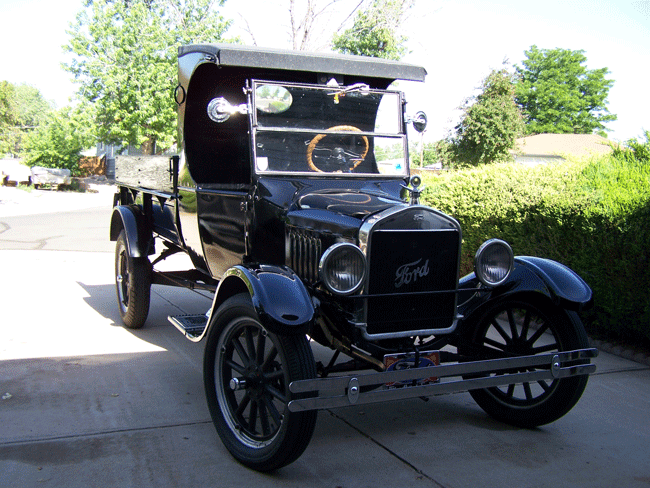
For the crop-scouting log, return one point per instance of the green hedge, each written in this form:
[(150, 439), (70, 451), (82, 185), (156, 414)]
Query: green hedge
[(593, 216)]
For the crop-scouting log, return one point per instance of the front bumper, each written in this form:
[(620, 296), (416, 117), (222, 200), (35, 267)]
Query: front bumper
[(341, 391)]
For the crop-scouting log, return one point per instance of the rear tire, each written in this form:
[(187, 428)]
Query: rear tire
[(133, 285), (246, 372), (514, 327)]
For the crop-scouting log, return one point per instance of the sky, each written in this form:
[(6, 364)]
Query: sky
[(458, 42)]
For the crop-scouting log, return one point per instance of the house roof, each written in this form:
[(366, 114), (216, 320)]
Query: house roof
[(563, 144)]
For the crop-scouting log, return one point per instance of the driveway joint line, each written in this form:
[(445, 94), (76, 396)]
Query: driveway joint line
[(101, 433), (389, 451)]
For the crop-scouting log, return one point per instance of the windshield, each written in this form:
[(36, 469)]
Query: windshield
[(328, 129)]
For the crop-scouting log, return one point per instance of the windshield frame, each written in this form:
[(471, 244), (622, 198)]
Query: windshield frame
[(399, 135)]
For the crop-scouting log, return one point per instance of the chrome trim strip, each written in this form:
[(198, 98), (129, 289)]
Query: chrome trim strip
[(407, 333), (329, 132), (366, 227)]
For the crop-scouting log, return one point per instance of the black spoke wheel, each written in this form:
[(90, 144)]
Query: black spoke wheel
[(247, 371), (512, 328), (133, 285)]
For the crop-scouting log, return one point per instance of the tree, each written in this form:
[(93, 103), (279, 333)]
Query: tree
[(558, 94), (489, 125), (125, 63), (375, 31), (7, 116), (30, 106), (22, 109), (59, 141)]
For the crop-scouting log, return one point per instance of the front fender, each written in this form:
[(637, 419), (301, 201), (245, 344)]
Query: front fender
[(279, 297), (566, 288), (560, 284)]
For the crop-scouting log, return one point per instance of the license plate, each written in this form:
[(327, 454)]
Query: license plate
[(402, 361)]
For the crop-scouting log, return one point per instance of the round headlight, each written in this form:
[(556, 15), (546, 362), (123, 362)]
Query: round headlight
[(493, 262), (343, 268)]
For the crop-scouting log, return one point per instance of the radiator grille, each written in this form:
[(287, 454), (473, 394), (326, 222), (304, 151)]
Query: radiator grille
[(409, 264), (304, 250)]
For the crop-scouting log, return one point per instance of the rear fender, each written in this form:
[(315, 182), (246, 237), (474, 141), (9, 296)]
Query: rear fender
[(279, 297), (138, 235), (533, 276)]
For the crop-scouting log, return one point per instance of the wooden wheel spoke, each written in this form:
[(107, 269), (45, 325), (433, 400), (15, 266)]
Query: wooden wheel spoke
[(237, 367), (277, 394), (269, 358), (264, 418), (250, 344), (241, 351), (537, 334), (252, 419), (261, 342), (270, 407), (239, 413), (545, 386), (273, 375), (513, 324), (526, 325), (495, 344), (501, 332)]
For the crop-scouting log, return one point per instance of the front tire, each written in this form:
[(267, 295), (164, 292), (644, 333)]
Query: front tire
[(246, 372), (133, 285), (514, 327)]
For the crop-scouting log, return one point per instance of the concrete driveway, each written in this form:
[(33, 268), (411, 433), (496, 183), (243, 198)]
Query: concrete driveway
[(88, 403)]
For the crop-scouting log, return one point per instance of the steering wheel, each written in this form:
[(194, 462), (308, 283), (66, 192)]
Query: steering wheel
[(341, 157)]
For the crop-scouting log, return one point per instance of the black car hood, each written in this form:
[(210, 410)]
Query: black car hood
[(357, 204)]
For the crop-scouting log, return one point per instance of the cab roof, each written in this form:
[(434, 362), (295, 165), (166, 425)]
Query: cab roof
[(335, 64)]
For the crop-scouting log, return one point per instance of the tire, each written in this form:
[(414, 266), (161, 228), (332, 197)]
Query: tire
[(514, 327), (251, 417), (133, 285)]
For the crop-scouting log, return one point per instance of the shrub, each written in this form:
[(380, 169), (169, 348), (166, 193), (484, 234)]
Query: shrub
[(592, 215)]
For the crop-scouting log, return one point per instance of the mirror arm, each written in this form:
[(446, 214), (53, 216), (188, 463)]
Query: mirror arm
[(220, 109)]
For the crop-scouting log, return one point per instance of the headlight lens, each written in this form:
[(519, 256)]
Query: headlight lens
[(343, 268), (493, 262)]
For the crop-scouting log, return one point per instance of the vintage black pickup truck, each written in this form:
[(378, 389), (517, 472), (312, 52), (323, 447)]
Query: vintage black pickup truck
[(292, 196)]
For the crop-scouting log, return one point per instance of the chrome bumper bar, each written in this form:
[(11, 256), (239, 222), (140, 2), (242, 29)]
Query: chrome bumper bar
[(341, 391)]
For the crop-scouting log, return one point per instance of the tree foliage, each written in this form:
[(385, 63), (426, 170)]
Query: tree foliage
[(490, 123), (375, 31), (58, 142), (124, 60), (7, 116), (22, 109), (559, 95)]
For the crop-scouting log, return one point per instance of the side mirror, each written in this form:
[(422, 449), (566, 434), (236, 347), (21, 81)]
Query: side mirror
[(419, 121), (272, 99)]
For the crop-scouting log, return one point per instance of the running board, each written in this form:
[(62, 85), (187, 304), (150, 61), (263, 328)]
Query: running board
[(192, 326), (346, 390)]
